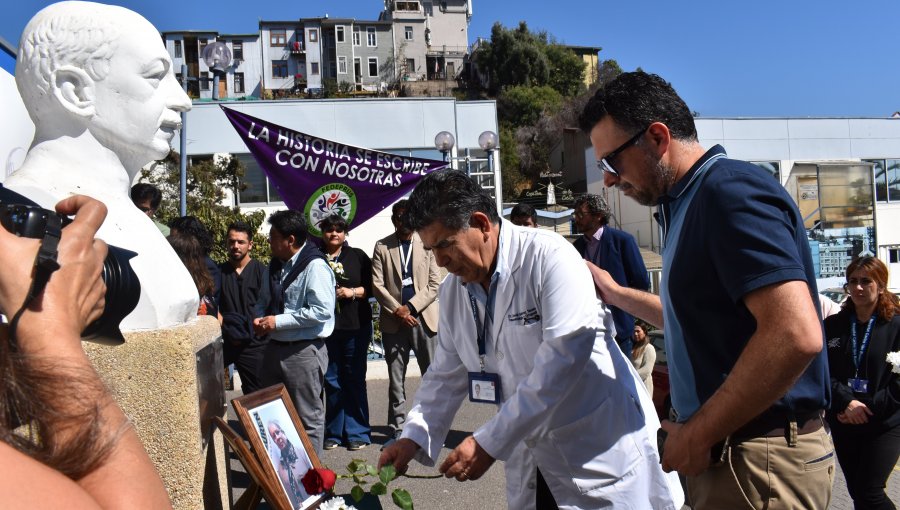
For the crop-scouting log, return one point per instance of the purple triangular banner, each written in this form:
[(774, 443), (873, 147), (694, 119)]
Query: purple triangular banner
[(321, 177)]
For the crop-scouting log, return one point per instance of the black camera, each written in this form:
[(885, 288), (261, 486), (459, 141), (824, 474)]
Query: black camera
[(23, 217)]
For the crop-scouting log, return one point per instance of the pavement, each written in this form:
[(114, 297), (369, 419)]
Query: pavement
[(487, 493)]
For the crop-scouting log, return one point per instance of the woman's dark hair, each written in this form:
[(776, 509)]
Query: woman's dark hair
[(194, 227), (191, 254), (875, 269), (335, 221), (636, 100)]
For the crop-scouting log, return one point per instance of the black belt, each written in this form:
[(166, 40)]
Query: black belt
[(292, 342), (771, 423), (778, 423)]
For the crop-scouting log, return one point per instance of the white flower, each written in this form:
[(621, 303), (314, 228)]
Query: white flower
[(336, 504), (894, 359)]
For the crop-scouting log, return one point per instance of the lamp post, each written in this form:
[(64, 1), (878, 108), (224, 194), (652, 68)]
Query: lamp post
[(444, 142), (488, 141)]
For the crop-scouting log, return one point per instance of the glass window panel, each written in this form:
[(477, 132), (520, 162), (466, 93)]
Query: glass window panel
[(254, 178), (893, 179), (880, 179)]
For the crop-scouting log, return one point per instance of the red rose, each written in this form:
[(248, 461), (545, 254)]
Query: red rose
[(317, 481)]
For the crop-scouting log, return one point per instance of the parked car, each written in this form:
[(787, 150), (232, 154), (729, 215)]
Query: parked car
[(661, 400), (835, 294)]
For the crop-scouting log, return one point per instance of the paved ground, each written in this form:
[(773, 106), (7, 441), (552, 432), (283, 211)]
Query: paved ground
[(488, 493)]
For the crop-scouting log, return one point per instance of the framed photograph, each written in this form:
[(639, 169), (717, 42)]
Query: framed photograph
[(280, 443)]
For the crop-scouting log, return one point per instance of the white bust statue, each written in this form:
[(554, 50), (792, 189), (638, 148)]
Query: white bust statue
[(99, 86)]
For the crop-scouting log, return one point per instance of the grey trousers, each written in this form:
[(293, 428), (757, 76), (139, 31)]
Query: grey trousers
[(301, 367), (396, 352)]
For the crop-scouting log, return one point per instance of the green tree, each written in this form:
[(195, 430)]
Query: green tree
[(207, 182), (524, 105), (567, 70)]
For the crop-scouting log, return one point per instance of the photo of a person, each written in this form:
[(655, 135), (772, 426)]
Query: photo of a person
[(483, 391), (285, 451)]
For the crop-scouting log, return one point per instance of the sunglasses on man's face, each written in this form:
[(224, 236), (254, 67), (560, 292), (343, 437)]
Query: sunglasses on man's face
[(606, 164), (333, 229)]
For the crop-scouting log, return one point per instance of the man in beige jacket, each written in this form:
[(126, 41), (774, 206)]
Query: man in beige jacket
[(405, 281)]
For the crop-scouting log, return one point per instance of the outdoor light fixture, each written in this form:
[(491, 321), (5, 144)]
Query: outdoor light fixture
[(444, 142), (488, 140)]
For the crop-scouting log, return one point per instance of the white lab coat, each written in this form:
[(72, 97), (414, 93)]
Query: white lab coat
[(571, 399)]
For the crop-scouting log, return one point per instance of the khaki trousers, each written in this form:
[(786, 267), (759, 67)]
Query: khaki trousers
[(766, 473)]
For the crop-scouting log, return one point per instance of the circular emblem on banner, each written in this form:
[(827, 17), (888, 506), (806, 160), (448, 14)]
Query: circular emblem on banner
[(334, 198)]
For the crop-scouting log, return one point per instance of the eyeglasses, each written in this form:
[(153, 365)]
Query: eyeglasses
[(144, 209), (605, 164), (333, 229)]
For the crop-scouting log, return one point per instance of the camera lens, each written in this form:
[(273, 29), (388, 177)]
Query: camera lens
[(123, 290)]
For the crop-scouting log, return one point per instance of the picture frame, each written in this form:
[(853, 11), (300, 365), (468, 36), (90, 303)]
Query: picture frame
[(281, 445)]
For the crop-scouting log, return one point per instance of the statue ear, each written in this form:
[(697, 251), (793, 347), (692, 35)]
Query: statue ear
[(73, 88)]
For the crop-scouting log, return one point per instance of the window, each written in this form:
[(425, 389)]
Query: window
[(407, 6), (313, 35), (239, 82), (314, 69), (357, 40), (893, 180), (277, 38), (408, 33), (339, 33), (237, 50), (178, 49), (894, 255), (373, 67), (204, 81), (357, 68), (279, 68), (410, 66), (342, 65), (371, 38), (203, 43), (887, 179)]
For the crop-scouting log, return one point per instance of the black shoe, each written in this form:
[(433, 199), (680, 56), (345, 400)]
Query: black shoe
[(356, 445), (331, 444)]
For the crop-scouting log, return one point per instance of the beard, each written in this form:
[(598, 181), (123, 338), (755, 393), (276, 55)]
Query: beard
[(660, 180)]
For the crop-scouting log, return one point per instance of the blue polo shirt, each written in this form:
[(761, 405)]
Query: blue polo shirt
[(729, 228)]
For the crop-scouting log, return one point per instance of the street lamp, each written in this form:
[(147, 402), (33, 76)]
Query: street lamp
[(488, 141), (444, 142)]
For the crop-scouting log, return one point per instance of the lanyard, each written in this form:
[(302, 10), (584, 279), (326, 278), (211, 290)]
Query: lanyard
[(405, 257), (481, 332), (858, 355)]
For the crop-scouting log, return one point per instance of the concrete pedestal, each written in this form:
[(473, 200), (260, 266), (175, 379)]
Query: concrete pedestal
[(170, 384)]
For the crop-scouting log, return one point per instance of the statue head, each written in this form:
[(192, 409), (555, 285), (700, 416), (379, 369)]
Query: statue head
[(85, 66)]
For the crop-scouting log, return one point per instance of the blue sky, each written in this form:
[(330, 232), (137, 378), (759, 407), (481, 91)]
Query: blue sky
[(744, 58)]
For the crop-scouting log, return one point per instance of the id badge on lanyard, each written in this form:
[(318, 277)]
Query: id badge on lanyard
[(484, 387), (856, 383)]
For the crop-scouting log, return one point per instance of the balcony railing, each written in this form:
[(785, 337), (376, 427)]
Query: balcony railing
[(444, 50)]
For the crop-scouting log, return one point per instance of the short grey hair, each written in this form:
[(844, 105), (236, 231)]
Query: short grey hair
[(595, 204)]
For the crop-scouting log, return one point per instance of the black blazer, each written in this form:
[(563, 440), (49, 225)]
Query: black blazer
[(354, 313), (883, 397)]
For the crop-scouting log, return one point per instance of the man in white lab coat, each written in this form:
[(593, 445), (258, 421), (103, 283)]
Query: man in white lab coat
[(519, 311)]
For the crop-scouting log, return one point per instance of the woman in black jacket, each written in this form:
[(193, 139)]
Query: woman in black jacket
[(865, 400), (347, 405)]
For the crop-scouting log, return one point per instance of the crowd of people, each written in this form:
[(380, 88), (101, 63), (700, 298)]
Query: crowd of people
[(767, 389)]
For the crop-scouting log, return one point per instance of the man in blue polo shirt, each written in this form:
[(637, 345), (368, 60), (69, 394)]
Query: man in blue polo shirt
[(743, 331)]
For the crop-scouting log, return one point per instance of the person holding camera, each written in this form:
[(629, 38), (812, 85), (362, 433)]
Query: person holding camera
[(79, 446)]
